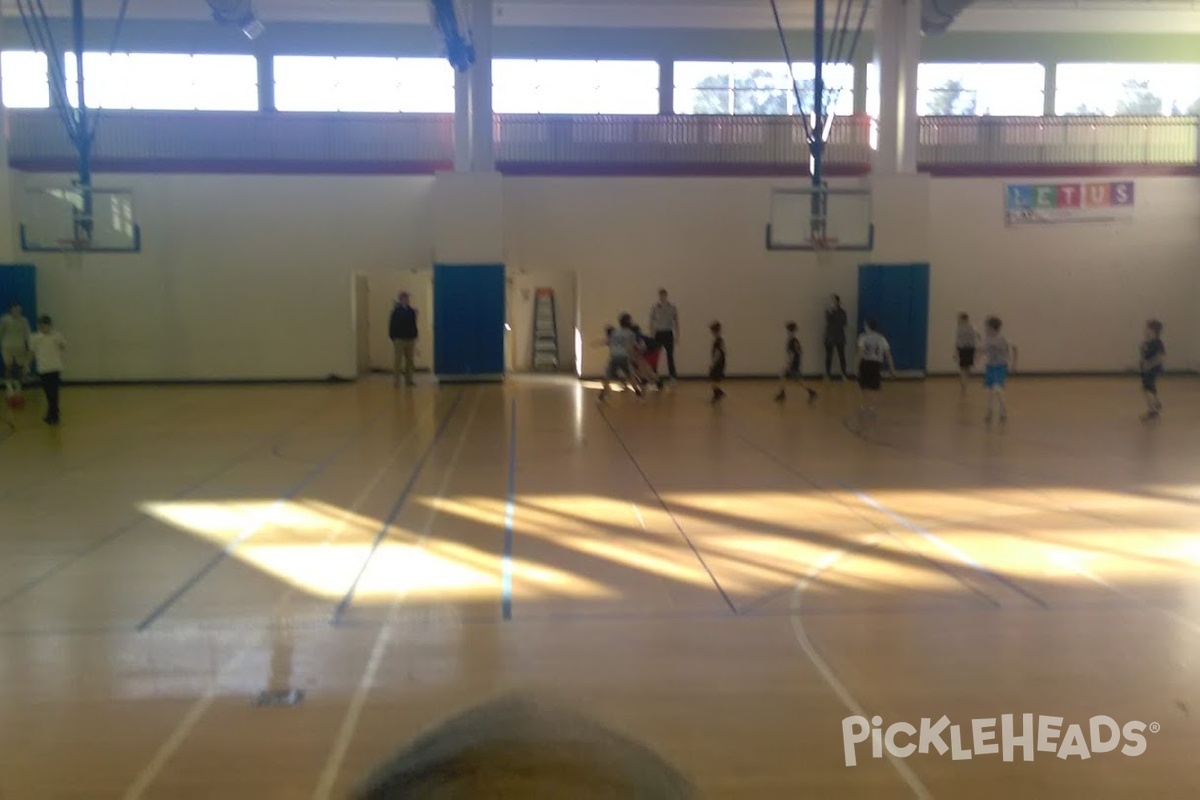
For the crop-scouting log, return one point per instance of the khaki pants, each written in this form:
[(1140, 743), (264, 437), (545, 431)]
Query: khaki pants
[(404, 360)]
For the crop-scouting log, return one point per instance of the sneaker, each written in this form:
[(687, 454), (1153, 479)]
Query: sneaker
[(1149, 415), (779, 398), (718, 395), (812, 395)]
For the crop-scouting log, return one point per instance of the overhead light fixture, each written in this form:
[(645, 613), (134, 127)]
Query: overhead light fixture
[(240, 14)]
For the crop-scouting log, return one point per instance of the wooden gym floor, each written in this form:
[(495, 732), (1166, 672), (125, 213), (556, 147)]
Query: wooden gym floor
[(726, 585)]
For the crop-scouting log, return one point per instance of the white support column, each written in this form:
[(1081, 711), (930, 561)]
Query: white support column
[(1050, 89), (483, 156), (897, 56), (9, 211), (462, 121)]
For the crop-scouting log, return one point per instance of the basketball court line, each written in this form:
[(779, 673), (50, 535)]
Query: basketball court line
[(344, 604), (670, 514), (345, 734), (318, 406), (509, 514), (135, 521), (981, 593), (200, 706), (290, 494), (827, 673)]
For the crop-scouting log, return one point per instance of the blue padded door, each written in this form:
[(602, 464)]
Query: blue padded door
[(468, 321), (897, 296)]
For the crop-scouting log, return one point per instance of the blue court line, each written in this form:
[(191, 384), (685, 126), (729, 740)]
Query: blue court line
[(695, 551), (947, 547), (344, 605), (289, 494), (138, 519), (509, 513)]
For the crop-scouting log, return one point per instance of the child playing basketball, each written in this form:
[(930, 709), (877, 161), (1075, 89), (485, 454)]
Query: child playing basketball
[(1153, 353), (621, 342), (48, 346), (966, 340), (645, 363), (716, 369), (791, 367), (14, 347), (873, 352), (1000, 357)]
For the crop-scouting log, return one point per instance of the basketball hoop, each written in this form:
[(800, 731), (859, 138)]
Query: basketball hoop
[(73, 250), (824, 247)]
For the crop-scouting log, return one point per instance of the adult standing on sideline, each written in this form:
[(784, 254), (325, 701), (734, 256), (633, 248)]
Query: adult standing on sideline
[(835, 336), (402, 330), (664, 322)]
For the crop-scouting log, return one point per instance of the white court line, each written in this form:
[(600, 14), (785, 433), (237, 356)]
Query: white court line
[(197, 710), (827, 673), (637, 512), (341, 743)]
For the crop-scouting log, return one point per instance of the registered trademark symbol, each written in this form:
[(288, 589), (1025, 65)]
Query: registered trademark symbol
[(1155, 727)]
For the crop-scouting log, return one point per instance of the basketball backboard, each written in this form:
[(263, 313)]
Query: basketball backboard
[(54, 219), (808, 218)]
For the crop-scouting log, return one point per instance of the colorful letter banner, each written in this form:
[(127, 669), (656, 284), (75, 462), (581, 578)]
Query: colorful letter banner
[(1047, 203)]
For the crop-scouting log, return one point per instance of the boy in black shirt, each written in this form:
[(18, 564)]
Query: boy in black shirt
[(791, 367), (1152, 354), (716, 369)]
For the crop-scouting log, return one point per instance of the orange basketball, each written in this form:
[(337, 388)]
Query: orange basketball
[(16, 401)]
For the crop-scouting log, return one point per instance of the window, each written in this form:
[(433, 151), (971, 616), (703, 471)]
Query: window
[(722, 87), (1140, 89), (527, 86), (1009, 90), (24, 83), (166, 81), (357, 83)]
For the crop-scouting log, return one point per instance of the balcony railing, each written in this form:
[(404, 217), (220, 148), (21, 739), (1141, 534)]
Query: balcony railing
[(592, 144)]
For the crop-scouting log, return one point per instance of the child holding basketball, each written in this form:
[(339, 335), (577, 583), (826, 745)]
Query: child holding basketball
[(14, 347), (1153, 354), (791, 367), (1000, 356), (716, 369), (48, 346), (873, 352)]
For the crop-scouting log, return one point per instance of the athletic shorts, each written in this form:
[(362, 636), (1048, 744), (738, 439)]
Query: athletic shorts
[(995, 376), (1150, 380), (717, 371), (14, 354), (618, 364), (870, 376), (793, 373), (652, 359), (966, 357)]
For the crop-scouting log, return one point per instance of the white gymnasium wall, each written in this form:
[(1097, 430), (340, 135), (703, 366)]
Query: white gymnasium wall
[(702, 239), (250, 276), (241, 277), (1073, 297)]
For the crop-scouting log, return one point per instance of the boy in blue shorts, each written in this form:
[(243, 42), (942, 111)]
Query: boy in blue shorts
[(1153, 353), (1000, 357)]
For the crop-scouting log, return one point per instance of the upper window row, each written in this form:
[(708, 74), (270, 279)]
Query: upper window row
[(327, 83)]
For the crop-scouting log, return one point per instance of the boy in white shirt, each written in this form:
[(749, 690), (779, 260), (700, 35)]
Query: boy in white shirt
[(14, 347), (873, 352), (999, 357), (48, 346)]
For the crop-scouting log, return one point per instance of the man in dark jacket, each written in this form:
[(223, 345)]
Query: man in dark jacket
[(402, 330), (835, 336)]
